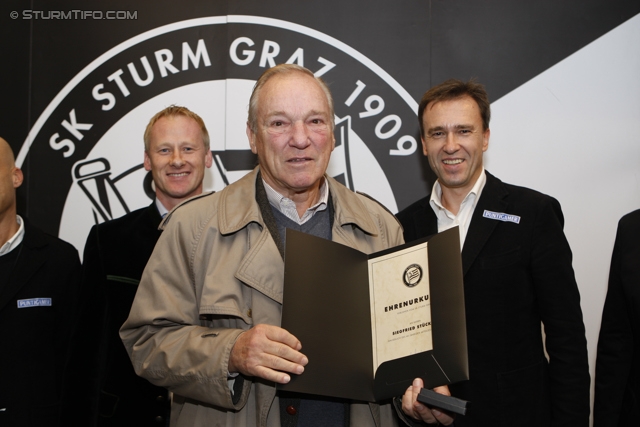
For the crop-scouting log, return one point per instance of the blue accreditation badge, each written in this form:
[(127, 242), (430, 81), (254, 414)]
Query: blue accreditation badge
[(501, 216), (34, 302)]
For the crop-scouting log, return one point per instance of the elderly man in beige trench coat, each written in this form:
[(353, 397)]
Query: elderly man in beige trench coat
[(205, 322)]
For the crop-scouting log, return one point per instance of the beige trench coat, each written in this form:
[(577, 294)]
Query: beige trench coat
[(216, 272)]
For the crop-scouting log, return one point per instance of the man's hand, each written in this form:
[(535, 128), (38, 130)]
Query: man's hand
[(418, 411), (267, 352)]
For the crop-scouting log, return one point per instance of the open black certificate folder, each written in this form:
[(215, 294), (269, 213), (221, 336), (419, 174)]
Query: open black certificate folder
[(370, 324)]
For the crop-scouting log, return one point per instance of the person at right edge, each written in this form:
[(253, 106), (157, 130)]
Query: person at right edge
[(517, 273), (617, 383)]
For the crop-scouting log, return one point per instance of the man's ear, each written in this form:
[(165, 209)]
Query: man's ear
[(333, 140), (252, 139), (18, 177), (147, 162), (208, 159), (485, 139), (424, 146)]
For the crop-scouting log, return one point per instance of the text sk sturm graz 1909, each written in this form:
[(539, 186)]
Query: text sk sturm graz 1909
[(85, 150)]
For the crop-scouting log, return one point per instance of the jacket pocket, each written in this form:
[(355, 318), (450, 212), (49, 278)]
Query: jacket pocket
[(108, 404), (502, 260), (122, 279), (524, 396)]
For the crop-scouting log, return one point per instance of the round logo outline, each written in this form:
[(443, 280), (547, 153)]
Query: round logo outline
[(211, 20), (409, 283)]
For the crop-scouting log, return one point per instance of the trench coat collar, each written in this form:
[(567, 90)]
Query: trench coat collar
[(236, 213)]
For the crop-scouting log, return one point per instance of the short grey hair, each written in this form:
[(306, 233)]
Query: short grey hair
[(281, 70)]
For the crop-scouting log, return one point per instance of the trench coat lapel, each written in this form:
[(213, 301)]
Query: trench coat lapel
[(262, 267)]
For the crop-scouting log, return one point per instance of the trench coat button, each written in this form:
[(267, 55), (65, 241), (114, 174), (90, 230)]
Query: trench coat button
[(159, 419), (249, 313), (160, 399), (291, 410)]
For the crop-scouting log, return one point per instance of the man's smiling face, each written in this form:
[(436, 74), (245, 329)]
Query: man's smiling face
[(454, 141), (294, 138), (176, 158)]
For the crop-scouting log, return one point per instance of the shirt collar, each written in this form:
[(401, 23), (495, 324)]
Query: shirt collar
[(462, 218), (287, 207), (14, 241), (436, 192), (161, 209)]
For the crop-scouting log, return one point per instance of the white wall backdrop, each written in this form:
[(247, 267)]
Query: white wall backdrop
[(573, 132)]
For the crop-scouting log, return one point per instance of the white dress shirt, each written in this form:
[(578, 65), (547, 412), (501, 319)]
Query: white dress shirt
[(14, 241), (446, 219), (287, 207)]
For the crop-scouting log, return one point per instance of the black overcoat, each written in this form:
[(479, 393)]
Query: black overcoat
[(517, 275), (38, 313)]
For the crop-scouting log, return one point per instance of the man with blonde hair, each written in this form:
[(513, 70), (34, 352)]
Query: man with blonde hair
[(176, 152)]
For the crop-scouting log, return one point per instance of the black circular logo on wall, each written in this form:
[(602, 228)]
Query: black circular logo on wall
[(85, 151)]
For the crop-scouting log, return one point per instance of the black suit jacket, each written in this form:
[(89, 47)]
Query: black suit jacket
[(617, 391), (108, 392), (515, 276), (36, 339)]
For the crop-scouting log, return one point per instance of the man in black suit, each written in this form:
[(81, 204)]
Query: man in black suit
[(517, 274), (176, 153), (617, 392), (39, 285)]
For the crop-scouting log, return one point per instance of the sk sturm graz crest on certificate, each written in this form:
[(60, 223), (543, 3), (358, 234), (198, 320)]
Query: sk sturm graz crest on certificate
[(371, 323), (400, 304)]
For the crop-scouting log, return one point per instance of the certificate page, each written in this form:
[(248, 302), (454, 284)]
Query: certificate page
[(400, 304)]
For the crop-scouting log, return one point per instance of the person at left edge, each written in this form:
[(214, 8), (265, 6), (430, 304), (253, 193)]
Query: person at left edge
[(176, 152), (39, 284)]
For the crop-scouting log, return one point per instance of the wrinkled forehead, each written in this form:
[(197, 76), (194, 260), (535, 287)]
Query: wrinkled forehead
[(175, 128), (462, 107), (293, 88)]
